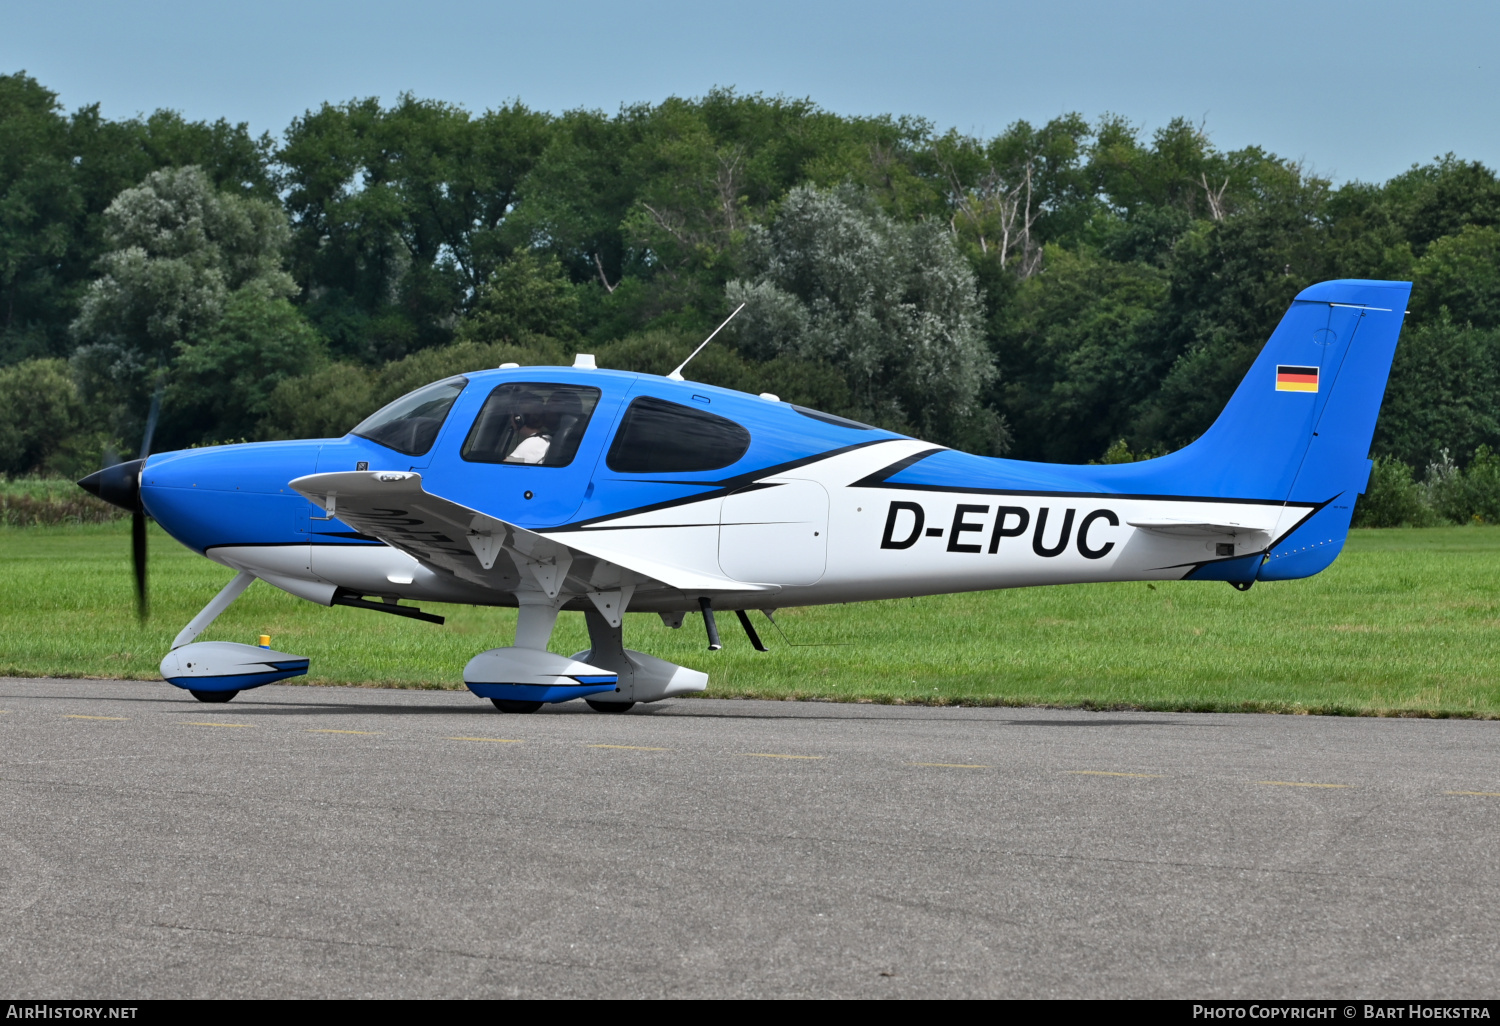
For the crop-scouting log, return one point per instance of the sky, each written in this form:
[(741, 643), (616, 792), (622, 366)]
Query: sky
[(1354, 90)]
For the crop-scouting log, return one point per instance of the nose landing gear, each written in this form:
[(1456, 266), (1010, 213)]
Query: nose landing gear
[(216, 671), (511, 705), (212, 696)]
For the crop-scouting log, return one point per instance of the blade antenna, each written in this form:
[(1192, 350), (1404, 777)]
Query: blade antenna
[(676, 375)]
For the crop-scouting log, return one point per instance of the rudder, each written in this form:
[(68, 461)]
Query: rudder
[(1336, 468)]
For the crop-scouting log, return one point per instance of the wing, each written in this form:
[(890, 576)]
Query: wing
[(394, 507)]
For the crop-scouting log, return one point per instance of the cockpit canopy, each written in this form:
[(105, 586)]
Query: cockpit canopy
[(542, 423), (543, 417)]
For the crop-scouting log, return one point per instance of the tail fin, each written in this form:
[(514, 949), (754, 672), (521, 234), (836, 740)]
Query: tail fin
[(1298, 428)]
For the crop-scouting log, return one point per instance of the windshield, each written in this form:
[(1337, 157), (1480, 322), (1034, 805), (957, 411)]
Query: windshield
[(410, 424)]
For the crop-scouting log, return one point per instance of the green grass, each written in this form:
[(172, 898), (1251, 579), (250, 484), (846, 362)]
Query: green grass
[(38, 501), (1405, 623)]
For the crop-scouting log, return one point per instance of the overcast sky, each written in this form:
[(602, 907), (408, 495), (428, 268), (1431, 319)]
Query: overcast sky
[(1356, 90)]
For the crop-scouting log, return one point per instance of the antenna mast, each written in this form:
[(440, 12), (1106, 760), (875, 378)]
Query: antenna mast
[(676, 375)]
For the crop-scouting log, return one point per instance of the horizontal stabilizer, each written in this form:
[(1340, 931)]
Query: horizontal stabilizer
[(1199, 528), (394, 507)]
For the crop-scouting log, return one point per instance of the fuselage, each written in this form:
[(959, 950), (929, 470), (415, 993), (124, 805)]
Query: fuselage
[(823, 509)]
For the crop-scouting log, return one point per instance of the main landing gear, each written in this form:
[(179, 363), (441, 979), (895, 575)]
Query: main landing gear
[(511, 705), (609, 707), (609, 677)]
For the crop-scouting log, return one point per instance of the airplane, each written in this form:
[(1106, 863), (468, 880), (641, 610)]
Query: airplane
[(580, 489)]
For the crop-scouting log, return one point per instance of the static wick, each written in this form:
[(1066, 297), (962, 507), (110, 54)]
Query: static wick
[(676, 375)]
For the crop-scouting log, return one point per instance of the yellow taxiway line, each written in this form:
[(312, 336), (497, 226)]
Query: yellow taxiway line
[(1109, 773), (1295, 783)]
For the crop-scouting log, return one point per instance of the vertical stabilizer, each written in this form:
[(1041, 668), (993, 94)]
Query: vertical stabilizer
[(1298, 428)]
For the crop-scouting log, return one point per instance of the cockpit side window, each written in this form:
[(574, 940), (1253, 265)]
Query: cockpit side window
[(658, 437), (532, 423), (410, 424)]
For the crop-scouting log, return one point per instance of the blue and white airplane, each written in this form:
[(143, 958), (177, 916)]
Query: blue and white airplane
[(553, 489)]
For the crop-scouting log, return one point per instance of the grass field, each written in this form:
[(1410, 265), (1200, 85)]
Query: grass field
[(1405, 623)]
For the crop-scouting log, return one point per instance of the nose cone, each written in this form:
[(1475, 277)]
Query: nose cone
[(119, 485)]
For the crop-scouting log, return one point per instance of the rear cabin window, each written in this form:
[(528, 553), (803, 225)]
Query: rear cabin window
[(658, 437), (411, 423), (534, 423)]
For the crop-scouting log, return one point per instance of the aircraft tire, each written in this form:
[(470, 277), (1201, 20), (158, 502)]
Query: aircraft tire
[(511, 705), (213, 696), (609, 707)]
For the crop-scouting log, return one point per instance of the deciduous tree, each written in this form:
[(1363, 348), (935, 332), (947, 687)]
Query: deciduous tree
[(894, 306), (179, 252)]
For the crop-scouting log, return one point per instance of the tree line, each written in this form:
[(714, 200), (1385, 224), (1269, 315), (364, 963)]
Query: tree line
[(1074, 291)]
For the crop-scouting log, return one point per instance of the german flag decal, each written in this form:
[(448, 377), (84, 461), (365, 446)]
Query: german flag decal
[(1296, 379)]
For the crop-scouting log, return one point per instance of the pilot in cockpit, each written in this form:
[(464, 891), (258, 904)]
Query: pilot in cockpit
[(534, 427), (538, 424)]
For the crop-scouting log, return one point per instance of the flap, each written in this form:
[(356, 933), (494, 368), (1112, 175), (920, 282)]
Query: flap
[(392, 505)]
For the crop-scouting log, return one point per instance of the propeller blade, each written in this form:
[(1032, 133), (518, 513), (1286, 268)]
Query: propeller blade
[(138, 558), (138, 516), (151, 416)]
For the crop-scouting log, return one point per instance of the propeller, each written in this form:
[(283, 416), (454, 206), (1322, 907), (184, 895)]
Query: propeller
[(120, 485)]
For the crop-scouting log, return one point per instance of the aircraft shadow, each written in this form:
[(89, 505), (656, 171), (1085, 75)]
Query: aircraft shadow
[(247, 705)]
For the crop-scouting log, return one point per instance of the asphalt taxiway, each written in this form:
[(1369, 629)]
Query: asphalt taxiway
[(344, 842)]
